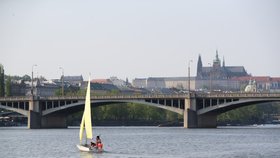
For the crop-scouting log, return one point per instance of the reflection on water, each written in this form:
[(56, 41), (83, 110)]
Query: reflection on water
[(134, 142), (87, 155)]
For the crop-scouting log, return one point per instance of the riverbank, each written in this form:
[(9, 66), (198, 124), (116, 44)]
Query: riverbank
[(23, 122)]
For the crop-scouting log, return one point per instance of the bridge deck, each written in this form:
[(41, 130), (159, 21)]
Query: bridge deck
[(158, 96)]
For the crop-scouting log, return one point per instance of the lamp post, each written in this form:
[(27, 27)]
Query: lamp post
[(189, 78), (62, 81), (32, 79), (227, 84), (210, 75)]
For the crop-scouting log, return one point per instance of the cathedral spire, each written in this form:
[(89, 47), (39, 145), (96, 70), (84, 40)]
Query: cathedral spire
[(199, 67), (217, 61), (217, 55)]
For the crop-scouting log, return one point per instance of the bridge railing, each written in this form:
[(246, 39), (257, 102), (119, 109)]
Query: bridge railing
[(117, 97), (26, 98), (149, 96), (238, 95), (17, 98)]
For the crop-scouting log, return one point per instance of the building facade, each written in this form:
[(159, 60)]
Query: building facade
[(139, 82), (263, 83), (73, 80), (164, 82), (42, 88), (18, 88)]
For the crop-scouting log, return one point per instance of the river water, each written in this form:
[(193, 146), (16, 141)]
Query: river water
[(144, 142)]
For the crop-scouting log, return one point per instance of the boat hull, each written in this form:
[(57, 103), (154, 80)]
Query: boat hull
[(87, 148), (84, 148)]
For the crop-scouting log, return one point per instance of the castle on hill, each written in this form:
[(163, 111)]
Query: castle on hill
[(213, 77), (217, 71)]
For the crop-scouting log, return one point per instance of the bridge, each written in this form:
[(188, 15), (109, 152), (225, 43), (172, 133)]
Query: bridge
[(200, 110)]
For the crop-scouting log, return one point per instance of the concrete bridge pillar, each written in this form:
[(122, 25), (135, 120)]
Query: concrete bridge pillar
[(192, 120), (54, 121), (36, 120), (34, 115), (190, 115), (207, 121)]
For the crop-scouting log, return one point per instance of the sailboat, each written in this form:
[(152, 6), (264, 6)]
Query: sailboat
[(86, 124)]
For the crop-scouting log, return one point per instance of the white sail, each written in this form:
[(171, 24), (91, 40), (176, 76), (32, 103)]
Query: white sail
[(86, 120), (82, 126)]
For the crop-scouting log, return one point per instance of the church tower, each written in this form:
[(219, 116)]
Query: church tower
[(217, 61), (199, 68)]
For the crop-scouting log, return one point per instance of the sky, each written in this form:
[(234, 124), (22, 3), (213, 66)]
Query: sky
[(137, 39)]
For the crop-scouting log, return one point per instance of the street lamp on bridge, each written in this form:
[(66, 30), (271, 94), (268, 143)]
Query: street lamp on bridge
[(32, 79), (210, 75), (62, 81), (189, 77)]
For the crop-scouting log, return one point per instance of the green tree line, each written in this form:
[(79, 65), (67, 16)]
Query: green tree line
[(253, 114), (128, 112)]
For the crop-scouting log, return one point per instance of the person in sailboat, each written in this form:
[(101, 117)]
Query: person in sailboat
[(98, 144), (92, 144)]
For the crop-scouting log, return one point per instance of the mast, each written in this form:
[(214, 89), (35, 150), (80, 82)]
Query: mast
[(87, 113)]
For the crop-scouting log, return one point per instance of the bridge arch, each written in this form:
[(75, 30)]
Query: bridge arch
[(222, 108), (207, 117), (17, 110), (78, 106)]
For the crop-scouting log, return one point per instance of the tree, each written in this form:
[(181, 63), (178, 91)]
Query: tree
[(136, 111), (117, 112), (155, 114), (171, 116), (26, 78), (8, 86)]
